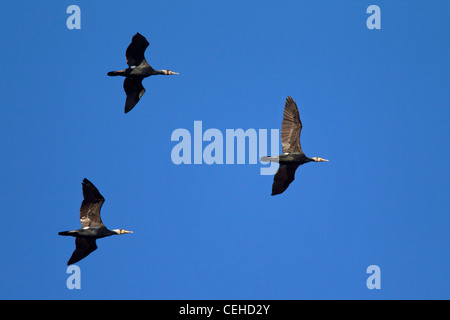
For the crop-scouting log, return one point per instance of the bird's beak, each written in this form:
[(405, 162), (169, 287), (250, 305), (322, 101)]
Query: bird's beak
[(174, 72), (324, 160), (125, 231)]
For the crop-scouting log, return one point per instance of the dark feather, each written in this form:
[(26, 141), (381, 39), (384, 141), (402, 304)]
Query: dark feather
[(91, 205), (135, 90), (283, 178), (84, 246), (291, 127), (136, 49)]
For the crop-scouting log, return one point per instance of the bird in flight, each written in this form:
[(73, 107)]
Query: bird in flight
[(91, 223), (293, 155), (137, 70)]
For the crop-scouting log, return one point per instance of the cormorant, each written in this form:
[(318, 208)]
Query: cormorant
[(92, 225), (293, 155), (137, 70)]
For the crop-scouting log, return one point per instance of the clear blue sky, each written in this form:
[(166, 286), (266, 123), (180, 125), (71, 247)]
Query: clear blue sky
[(374, 102)]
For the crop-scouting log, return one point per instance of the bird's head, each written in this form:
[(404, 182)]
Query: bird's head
[(318, 159), (121, 231), (169, 72)]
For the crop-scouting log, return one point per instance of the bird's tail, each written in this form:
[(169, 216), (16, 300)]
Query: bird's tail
[(116, 73), (268, 159), (66, 233)]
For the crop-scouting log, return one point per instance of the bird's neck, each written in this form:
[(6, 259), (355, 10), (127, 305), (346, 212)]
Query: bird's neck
[(164, 72)]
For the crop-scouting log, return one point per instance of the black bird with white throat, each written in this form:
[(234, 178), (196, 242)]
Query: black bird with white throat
[(137, 70), (292, 156), (91, 223)]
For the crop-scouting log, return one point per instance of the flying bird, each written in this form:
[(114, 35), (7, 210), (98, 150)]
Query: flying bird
[(91, 223), (293, 155), (137, 70)]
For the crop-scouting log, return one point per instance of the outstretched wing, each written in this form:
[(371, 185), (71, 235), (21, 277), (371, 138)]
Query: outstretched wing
[(135, 90), (83, 247), (136, 49), (291, 127), (91, 205), (283, 178)]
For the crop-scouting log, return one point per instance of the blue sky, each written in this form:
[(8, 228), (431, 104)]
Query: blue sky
[(374, 102)]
